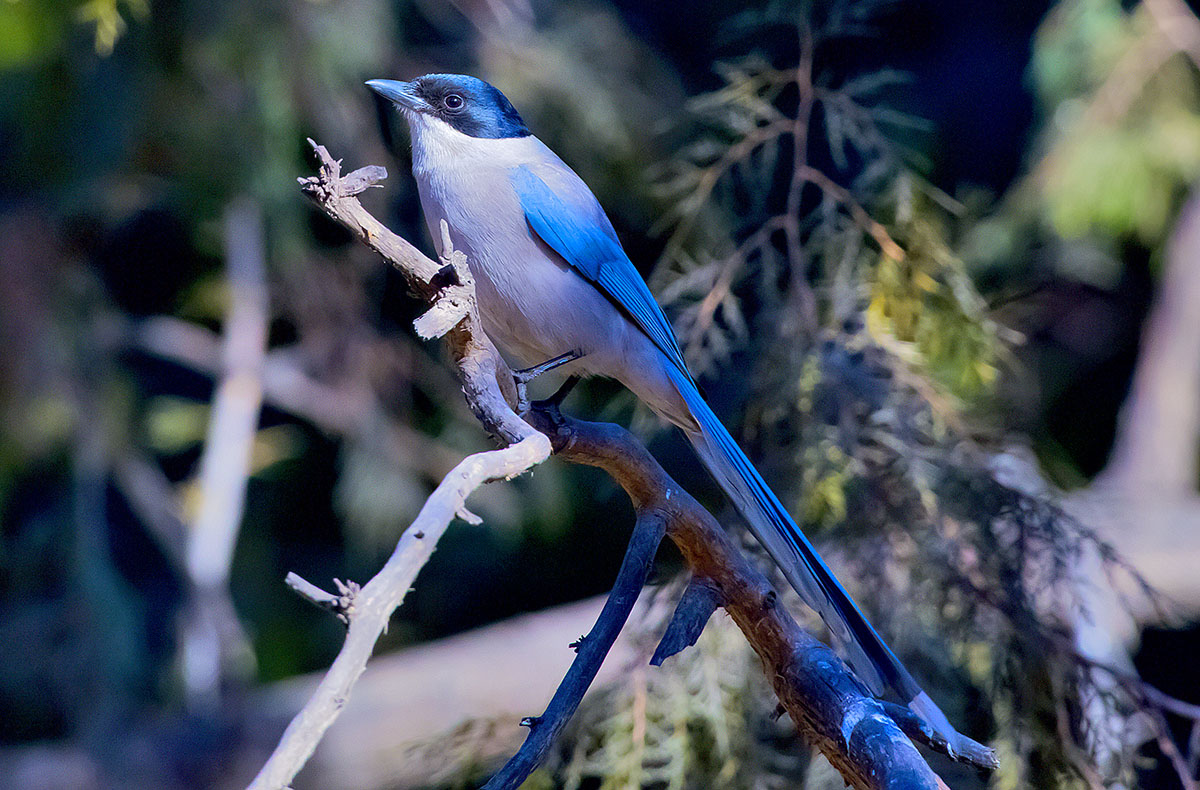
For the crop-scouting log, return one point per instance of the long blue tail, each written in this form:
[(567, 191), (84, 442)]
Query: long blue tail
[(873, 661)]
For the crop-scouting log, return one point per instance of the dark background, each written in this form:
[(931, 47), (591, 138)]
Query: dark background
[(121, 157)]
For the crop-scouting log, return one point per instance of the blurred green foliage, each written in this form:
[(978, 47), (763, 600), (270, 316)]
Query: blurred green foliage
[(928, 303), (1126, 114)]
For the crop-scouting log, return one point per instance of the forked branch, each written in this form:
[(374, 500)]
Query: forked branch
[(862, 737)]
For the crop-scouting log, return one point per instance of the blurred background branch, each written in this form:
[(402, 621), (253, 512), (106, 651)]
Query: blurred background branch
[(213, 648)]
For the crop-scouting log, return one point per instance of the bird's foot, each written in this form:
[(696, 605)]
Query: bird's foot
[(522, 378), (560, 395)]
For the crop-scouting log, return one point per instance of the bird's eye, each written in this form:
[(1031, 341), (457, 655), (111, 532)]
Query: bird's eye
[(453, 101)]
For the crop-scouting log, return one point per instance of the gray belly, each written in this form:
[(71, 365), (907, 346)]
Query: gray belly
[(534, 306)]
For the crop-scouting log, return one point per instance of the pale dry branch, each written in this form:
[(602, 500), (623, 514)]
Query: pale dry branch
[(371, 608), (481, 371), (1155, 446), (225, 463), (1176, 21), (349, 409)]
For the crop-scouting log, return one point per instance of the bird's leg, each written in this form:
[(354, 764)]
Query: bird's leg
[(550, 406), (523, 377), (529, 374), (560, 394)]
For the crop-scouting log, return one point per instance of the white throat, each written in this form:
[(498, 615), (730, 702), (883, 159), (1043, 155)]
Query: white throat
[(438, 146)]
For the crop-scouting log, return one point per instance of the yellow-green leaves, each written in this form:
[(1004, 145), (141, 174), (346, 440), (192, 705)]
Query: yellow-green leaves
[(1125, 178), (106, 16), (1123, 131), (928, 304)]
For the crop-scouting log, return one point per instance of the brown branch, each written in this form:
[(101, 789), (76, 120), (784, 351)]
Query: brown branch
[(852, 729)]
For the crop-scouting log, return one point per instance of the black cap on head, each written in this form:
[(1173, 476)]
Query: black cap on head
[(467, 103)]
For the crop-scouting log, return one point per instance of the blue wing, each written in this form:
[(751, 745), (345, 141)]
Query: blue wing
[(585, 239)]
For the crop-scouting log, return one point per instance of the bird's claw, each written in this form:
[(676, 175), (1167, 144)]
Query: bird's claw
[(522, 394)]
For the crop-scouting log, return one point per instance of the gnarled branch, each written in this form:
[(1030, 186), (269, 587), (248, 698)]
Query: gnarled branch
[(830, 707)]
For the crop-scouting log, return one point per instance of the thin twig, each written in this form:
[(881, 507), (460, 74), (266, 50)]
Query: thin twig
[(713, 173), (798, 282), (723, 283), (864, 220)]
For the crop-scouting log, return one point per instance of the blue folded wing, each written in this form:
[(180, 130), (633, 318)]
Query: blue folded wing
[(584, 238)]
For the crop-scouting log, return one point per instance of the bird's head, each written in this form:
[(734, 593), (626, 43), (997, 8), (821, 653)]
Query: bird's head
[(467, 104)]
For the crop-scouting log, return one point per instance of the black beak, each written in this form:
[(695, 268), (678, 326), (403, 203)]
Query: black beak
[(402, 94)]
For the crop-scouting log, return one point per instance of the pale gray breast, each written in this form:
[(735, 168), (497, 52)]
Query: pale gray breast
[(532, 303)]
